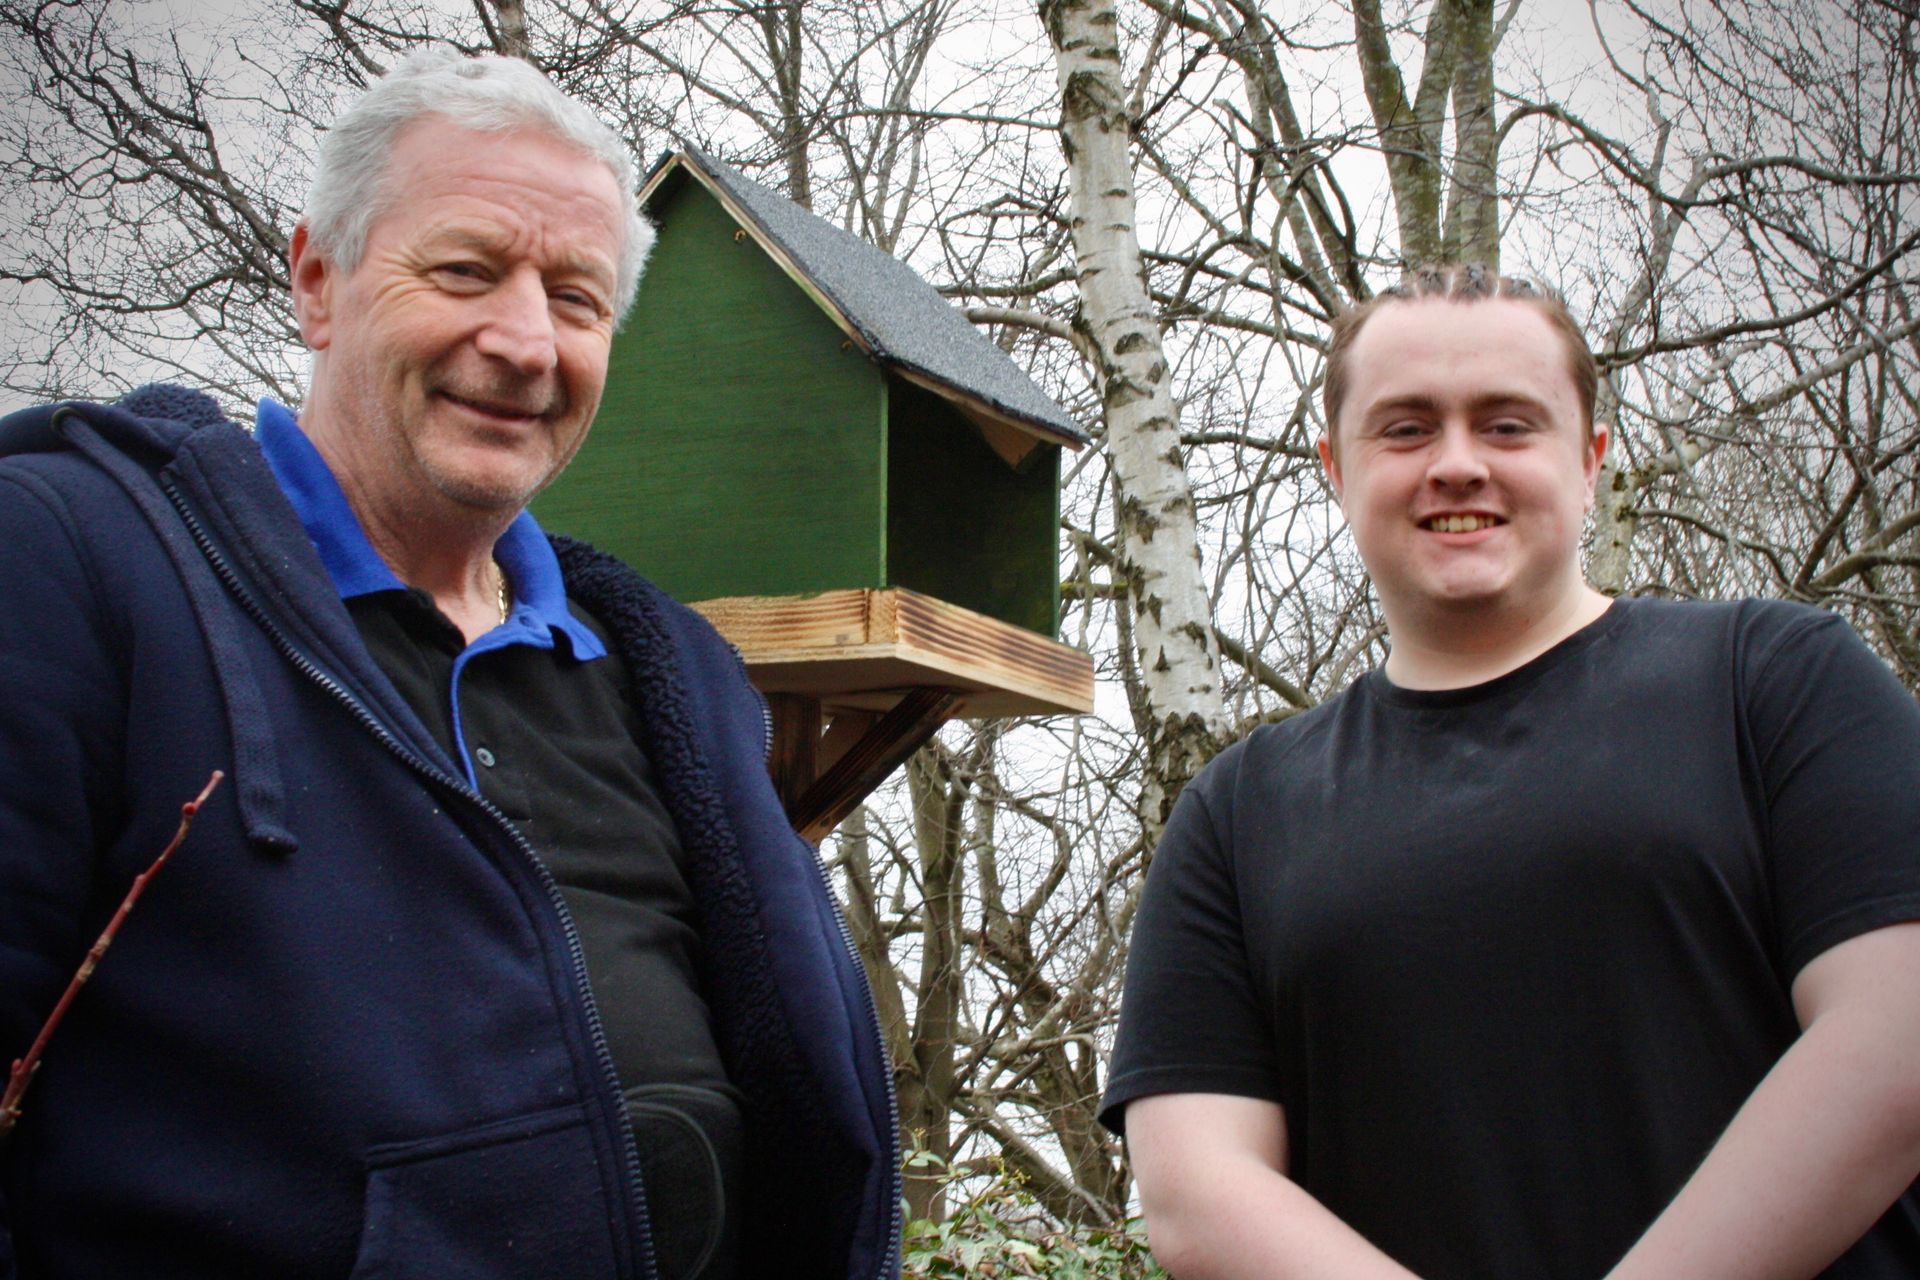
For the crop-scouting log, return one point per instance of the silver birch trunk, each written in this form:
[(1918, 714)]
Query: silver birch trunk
[(1473, 199), (1615, 520), (507, 27), (1183, 720)]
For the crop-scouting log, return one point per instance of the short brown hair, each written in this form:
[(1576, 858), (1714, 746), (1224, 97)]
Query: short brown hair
[(1471, 283)]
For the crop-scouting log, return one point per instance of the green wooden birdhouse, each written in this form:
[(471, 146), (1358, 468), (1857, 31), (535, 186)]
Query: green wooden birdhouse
[(790, 410), (804, 440)]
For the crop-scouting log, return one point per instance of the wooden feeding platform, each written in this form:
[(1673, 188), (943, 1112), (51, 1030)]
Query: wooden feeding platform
[(859, 679)]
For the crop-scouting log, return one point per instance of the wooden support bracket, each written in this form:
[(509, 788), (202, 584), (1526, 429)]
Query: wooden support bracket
[(794, 760), (821, 778)]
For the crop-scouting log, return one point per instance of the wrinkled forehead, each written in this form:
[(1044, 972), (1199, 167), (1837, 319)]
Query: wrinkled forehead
[(436, 143), (440, 169)]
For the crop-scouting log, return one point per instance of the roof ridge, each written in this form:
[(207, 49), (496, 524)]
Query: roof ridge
[(901, 318)]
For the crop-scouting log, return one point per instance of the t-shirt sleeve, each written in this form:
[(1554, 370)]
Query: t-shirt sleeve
[(1837, 744), (1189, 1020)]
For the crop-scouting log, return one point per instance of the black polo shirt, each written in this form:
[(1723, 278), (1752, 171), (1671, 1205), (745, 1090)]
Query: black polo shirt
[(539, 715), (554, 743)]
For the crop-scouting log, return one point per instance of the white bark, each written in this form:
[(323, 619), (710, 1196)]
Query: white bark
[(1184, 720), (506, 25)]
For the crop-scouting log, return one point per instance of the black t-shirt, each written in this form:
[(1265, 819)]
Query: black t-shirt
[(555, 745), (1510, 957)]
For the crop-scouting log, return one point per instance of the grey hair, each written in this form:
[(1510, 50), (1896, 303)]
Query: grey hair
[(490, 94)]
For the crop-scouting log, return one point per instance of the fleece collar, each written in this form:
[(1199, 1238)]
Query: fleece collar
[(540, 611)]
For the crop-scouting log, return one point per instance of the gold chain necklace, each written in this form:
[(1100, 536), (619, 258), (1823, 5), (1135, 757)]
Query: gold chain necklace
[(505, 599)]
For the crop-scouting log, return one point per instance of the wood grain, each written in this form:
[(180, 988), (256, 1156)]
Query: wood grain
[(863, 649)]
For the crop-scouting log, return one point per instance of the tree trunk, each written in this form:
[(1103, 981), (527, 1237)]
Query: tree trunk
[(780, 29), (1610, 553), (1185, 721), (507, 27), (1410, 131), (929, 1084), (1473, 198)]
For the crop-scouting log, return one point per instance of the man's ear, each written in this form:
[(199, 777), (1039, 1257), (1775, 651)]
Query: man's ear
[(1331, 462), (1596, 454), (313, 277)]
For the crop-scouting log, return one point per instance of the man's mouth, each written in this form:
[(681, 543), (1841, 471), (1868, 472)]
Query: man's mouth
[(1460, 523), (495, 408)]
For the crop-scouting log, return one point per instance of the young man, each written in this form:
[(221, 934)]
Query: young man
[(494, 956), (1577, 941)]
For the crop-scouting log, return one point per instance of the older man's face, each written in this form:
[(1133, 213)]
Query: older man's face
[(461, 362)]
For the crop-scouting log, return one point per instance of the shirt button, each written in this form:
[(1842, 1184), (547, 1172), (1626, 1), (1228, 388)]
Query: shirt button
[(485, 757)]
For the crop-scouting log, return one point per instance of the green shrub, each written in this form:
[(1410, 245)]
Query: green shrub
[(998, 1230)]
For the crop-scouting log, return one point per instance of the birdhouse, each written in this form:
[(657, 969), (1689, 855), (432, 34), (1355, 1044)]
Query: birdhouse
[(803, 439)]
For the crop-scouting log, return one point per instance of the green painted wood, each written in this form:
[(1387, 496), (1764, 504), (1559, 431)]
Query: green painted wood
[(739, 450), (743, 447), (962, 525)]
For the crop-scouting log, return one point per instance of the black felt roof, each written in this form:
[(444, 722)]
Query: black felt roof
[(897, 314)]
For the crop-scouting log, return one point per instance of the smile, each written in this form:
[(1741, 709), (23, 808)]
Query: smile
[(494, 410), (1460, 524)]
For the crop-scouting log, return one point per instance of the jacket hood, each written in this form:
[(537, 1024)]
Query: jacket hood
[(135, 441), (148, 422)]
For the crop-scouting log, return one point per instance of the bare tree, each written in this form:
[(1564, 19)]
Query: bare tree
[(1765, 427), (1156, 208), (129, 231)]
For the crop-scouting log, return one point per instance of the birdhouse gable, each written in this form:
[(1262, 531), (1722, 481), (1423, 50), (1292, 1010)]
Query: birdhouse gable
[(762, 436), (883, 306)]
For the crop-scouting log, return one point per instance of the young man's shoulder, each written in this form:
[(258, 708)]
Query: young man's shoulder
[(1664, 639), (1277, 748), (1747, 615), (1747, 639)]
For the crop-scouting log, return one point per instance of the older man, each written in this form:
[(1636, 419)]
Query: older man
[(1579, 939), (495, 956)]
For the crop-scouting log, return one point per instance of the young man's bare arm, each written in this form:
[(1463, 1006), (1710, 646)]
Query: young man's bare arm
[(1219, 1206), (1823, 1146)]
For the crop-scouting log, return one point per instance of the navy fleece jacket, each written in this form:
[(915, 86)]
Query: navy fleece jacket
[(347, 1031)]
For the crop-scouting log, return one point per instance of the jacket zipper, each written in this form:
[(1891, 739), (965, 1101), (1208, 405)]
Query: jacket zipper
[(890, 1257), (766, 712), (629, 1146)]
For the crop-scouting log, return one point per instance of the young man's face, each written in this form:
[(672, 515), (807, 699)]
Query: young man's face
[(462, 359), (1463, 462)]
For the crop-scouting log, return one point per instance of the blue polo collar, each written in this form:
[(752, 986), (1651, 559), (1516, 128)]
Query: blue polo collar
[(540, 611)]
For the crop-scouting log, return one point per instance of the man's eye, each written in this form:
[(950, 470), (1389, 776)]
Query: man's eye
[(579, 300), (462, 270)]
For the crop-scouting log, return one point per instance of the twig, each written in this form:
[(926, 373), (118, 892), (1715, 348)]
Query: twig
[(23, 1068)]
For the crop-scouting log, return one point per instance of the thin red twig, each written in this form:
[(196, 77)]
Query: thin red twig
[(24, 1067)]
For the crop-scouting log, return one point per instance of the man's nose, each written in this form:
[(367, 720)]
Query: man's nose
[(1456, 458), (519, 325)]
